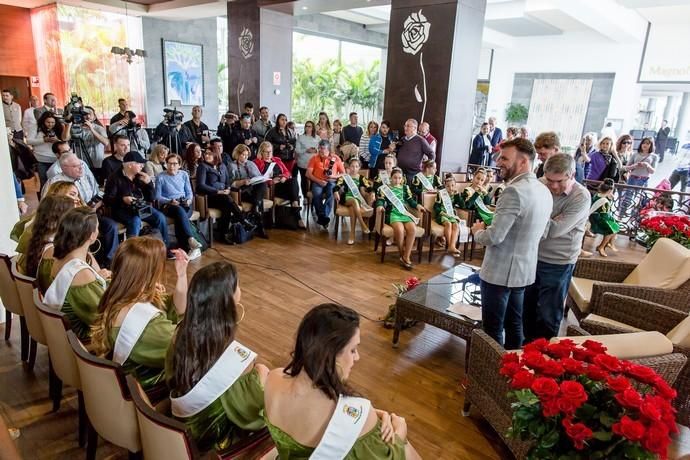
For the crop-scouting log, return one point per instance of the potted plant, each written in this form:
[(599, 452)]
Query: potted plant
[(516, 113), (578, 402), (665, 225)]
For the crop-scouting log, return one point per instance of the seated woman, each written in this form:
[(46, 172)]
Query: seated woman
[(285, 186), (192, 159), (476, 197), (242, 171), (40, 237), (384, 175), (393, 199), (355, 192), (216, 387), (137, 318), (447, 201), (174, 196), (426, 180), (311, 395), (76, 281), (156, 163), (213, 181)]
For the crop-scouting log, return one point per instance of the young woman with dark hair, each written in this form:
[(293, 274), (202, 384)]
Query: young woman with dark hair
[(283, 141), (76, 281), (137, 317), (48, 131), (216, 387), (312, 393), (192, 157)]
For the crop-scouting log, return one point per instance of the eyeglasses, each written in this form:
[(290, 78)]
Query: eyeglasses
[(626, 142), (173, 163)]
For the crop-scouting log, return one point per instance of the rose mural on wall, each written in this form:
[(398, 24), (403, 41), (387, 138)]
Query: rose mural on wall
[(414, 35), (246, 44)]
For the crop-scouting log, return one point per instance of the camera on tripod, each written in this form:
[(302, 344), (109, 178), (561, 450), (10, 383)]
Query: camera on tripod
[(75, 114), (172, 117)]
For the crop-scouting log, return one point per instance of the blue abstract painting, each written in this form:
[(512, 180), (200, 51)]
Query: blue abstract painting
[(183, 72)]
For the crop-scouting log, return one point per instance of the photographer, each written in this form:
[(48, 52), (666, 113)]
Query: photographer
[(128, 127), (197, 127), (48, 131), (226, 128), (322, 171), (172, 133), (245, 135), (90, 138), (72, 169), (129, 194), (174, 196)]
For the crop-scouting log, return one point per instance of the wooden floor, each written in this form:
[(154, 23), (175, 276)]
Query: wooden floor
[(281, 279)]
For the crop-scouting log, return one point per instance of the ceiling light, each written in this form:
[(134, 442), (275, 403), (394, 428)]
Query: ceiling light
[(129, 54)]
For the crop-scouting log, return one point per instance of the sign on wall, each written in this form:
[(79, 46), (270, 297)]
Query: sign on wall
[(666, 54)]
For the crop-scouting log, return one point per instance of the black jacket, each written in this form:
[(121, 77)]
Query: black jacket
[(120, 186), (196, 131), (210, 180), (277, 138), (240, 135)]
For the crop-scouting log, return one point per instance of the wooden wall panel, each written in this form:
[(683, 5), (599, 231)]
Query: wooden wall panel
[(17, 57)]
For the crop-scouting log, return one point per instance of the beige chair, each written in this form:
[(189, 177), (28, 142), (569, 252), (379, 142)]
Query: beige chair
[(165, 438), (662, 277), (13, 304), (25, 289), (63, 365), (212, 214), (383, 232), (344, 211), (109, 408)]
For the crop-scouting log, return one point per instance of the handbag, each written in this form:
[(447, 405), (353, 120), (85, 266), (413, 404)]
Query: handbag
[(239, 234), (287, 217)]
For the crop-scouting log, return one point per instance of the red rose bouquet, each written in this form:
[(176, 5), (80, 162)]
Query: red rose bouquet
[(664, 225), (398, 290), (578, 402)]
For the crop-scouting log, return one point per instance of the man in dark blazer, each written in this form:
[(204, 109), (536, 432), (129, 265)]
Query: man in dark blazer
[(495, 134)]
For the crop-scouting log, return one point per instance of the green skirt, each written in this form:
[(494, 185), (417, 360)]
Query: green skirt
[(443, 219), (397, 216), (603, 224)]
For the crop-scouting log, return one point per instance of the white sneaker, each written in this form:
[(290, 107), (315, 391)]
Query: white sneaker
[(194, 254), (193, 243)]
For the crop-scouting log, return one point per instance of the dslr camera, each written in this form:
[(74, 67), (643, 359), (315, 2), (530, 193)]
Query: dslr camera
[(171, 117), (329, 170)]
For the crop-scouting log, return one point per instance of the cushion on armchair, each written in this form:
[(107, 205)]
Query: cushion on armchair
[(611, 322), (631, 345), (667, 266), (680, 335), (580, 289)]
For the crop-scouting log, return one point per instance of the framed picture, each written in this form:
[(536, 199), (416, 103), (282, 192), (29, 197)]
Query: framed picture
[(183, 72)]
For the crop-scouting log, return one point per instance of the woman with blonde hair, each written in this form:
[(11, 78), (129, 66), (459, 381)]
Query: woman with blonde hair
[(242, 172), (156, 163), (324, 122), (371, 131), (605, 163), (137, 317)]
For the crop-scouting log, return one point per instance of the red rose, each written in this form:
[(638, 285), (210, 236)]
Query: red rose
[(608, 362), (510, 358), (544, 387), (552, 368), (582, 354), (574, 391), (567, 406), (656, 439), (533, 359), (643, 374), (596, 347), (577, 432), (536, 345), (650, 409), (618, 384), (629, 429), (595, 372), (550, 407), (629, 398), (411, 282), (663, 389), (521, 380), (560, 349), (510, 369), (572, 366)]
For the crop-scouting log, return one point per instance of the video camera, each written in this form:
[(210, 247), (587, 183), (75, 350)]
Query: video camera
[(74, 113), (329, 170), (171, 117)]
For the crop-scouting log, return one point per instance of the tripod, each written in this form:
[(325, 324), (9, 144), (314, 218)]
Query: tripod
[(80, 150)]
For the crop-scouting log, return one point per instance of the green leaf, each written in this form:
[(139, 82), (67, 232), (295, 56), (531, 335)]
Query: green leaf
[(537, 428), (607, 420), (526, 397), (550, 439), (602, 435), (586, 411)]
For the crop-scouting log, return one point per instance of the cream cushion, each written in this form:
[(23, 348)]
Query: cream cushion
[(680, 335), (631, 345), (246, 207), (214, 213), (388, 231), (580, 289), (667, 266), (611, 322)]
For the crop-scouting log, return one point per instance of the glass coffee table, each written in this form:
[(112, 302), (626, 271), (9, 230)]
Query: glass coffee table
[(429, 302)]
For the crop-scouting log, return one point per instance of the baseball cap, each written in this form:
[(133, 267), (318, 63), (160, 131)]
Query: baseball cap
[(133, 156)]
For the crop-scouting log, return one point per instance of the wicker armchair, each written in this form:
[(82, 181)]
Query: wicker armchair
[(487, 389), (620, 314), (593, 278)]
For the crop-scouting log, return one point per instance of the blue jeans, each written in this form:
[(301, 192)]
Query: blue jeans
[(629, 195), (322, 199), (42, 169), (545, 301), (133, 223), (502, 309), (183, 227), (108, 236)]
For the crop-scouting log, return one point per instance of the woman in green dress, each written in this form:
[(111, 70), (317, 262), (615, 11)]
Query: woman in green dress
[(344, 196), (137, 317), (77, 283), (384, 176), (476, 197), (204, 347), (312, 392), (430, 183), (398, 217), (601, 217), (447, 217)]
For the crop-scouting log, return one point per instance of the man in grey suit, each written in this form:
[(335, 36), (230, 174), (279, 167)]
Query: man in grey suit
[(512, 243)]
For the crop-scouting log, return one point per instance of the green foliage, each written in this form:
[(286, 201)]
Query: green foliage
[(335, 89), (516, 113)]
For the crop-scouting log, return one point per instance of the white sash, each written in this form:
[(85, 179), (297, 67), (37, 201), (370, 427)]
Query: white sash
[(57, 291), (343, 429), (385, 179), (447, 202), (399, 205), (425, 182), (222, 375), (355, 192), (138, 317), (597, 204), (480, 204), (464, 232)]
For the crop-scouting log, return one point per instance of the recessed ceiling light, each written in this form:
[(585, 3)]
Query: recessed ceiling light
[(305, 7)]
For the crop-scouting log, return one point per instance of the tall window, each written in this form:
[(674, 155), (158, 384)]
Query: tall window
[(335, 76)]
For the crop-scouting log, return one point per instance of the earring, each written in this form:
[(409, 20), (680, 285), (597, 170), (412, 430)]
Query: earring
[(340, 371), (243, 311), (99, 246)]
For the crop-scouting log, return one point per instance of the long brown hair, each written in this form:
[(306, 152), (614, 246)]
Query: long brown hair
[(136, 272), (323, 333), (50, 210), (208, 327), (74, 230)]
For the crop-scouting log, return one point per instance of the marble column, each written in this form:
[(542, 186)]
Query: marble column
[(683, 124)]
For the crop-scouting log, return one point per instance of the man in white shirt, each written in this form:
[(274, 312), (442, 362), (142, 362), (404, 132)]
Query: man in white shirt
[(28, 119), (13, 114)]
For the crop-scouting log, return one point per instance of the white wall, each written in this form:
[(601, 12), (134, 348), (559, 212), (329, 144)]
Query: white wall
[(574, 52)]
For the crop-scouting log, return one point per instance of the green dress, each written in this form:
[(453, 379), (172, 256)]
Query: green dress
[(378, 182), (404, 193), (477, 202), (20, 226), (241, 407), (440, 213), (43, 276), (603, 222), (24, 240), (345, 192), (418, 188), (146, 362), (368, 447)]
